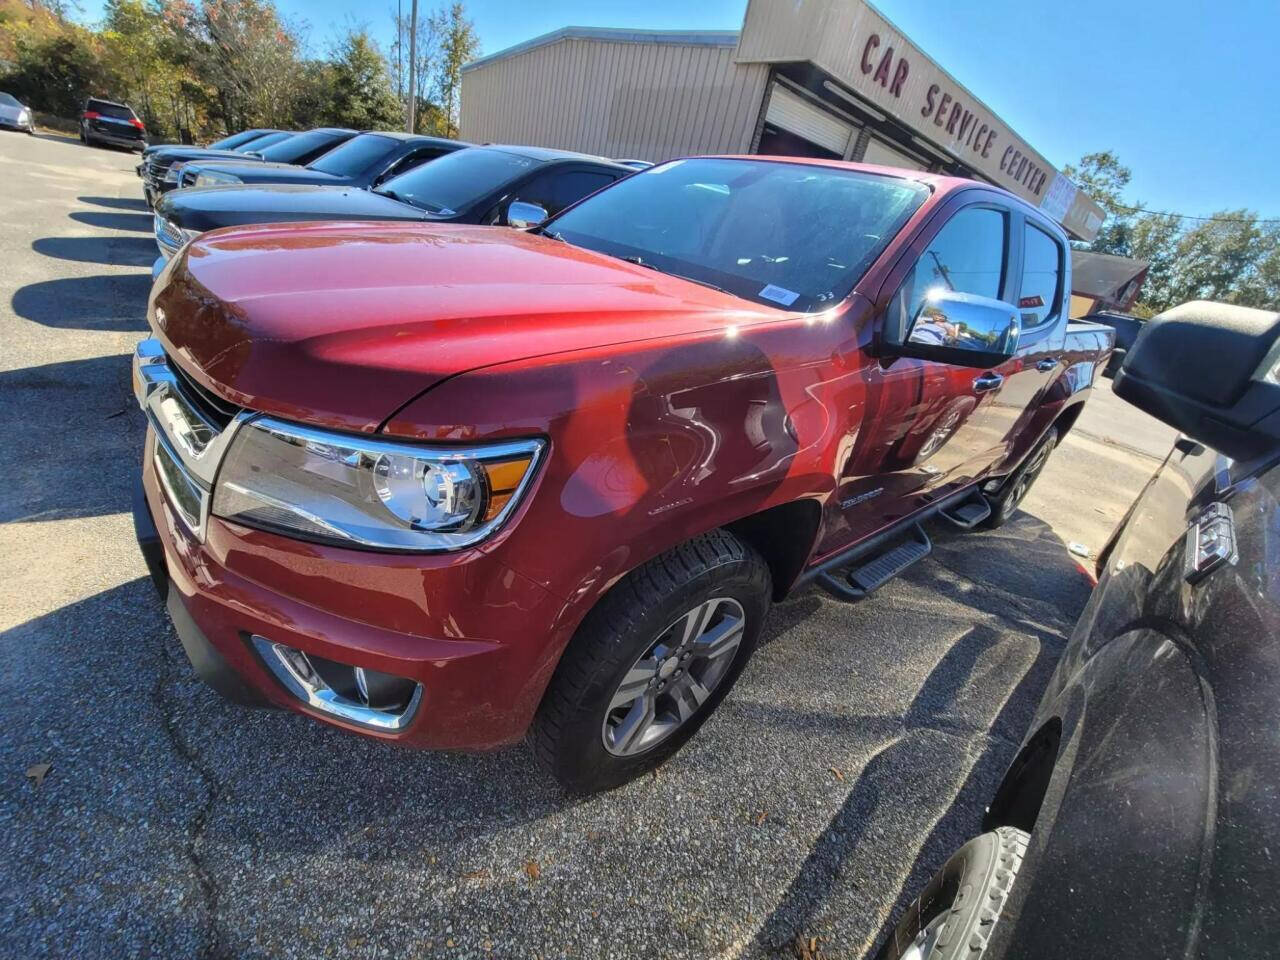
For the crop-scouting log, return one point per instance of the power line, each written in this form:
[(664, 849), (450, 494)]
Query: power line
[(1187, 216)]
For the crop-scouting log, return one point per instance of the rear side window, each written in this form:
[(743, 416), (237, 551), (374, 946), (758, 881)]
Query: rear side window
[(109, 110), (1040, 295), (967, 255)]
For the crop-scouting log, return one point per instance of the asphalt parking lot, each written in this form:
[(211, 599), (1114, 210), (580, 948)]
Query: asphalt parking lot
[(857, 750)]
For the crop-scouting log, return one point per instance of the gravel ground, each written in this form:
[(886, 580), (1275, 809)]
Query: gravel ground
[(858, 749)]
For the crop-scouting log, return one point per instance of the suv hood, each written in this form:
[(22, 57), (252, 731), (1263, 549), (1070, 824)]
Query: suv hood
[(340, 325), (171, 155), (208, 208)]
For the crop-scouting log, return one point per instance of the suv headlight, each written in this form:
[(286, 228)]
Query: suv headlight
[(175, 170), (215, 178), (366, 492)]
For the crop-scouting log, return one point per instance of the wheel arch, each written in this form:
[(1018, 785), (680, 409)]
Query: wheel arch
[(1021, 793), (784, 536)]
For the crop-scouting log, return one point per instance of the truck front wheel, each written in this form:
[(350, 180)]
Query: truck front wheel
[(651, 662)]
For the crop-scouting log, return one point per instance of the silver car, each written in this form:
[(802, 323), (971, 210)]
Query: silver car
[(14, 116)]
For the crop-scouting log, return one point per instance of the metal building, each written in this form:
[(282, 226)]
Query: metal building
[(824, 78)]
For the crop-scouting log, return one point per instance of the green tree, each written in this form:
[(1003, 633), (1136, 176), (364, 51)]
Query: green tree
[(1103, 177), (361, 86), (459, 45), (55, 74), (250, 56)]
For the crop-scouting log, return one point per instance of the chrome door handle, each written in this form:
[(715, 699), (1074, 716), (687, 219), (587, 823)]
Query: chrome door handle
[(1047, 364), (988, 381)]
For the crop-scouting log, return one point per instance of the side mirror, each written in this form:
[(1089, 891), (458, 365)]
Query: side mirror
[(961, 328), (1212, 371), (522, 215)]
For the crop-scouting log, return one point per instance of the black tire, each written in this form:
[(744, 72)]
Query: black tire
[(1004, 502), (955, 914), (568, 732)]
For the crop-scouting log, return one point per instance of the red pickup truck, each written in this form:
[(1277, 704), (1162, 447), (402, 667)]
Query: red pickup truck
[(450, 485)]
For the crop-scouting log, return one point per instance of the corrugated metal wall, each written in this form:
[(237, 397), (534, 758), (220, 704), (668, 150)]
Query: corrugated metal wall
[(648, 101)]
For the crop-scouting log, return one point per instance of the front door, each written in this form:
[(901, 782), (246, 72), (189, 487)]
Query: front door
[(1041, 300), (923, 429)]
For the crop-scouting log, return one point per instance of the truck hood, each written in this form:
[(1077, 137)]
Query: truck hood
[(208, 208), (340, 325)]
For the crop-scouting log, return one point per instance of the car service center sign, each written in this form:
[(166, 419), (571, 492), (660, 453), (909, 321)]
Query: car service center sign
[(860, 49)]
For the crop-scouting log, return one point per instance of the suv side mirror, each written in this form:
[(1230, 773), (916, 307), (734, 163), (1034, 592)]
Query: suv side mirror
[(1211, 370), (522, 215), (961, 328)]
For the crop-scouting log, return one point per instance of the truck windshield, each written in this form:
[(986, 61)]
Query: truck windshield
[(457, 180), (788, 235)]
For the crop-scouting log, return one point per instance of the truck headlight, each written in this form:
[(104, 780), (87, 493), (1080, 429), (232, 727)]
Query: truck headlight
[(367, 492), (215, 178)]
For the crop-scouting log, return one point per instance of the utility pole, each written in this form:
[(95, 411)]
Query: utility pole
[(413, 65)]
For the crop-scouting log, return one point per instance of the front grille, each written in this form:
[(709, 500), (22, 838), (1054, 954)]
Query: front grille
[(168, 237), (210, 406), (189, 178)]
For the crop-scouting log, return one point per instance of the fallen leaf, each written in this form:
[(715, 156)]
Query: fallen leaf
[(532, 869), (838, 774), (37, 772), (760, 817), (480, 874), (449, 942)]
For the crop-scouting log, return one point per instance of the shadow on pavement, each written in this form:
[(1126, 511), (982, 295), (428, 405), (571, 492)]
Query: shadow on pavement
[(115, 251), (79, 457), (116, 302), (141, 222), (990, 581), (116, 203)]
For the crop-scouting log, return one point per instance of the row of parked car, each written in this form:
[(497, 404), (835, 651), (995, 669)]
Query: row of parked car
[(449, 485), (340, 174)]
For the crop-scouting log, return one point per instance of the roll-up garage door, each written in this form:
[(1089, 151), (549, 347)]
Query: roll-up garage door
[(795, 114)]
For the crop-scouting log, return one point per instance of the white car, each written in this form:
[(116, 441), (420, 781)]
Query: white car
[(14, 116)]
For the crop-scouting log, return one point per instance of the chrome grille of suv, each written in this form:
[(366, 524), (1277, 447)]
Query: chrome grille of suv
[(168, 237)]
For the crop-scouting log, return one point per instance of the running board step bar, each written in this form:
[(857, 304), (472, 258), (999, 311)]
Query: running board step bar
[(854, 583), (969, 512)]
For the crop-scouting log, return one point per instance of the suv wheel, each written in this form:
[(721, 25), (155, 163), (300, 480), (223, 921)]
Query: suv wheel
[(959, 908), (651, 662), (1004, 502)]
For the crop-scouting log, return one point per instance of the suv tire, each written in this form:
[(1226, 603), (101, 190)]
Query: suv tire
[(959, 908), (651, 661)]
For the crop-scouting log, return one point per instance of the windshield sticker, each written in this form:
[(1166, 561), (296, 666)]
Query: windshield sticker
[(780, 295)]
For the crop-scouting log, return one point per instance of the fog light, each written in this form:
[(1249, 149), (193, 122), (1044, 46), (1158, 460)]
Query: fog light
[(367, 698)]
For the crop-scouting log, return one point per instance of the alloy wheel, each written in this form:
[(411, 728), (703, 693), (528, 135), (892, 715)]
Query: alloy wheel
[(1026, 478), (673, 678)]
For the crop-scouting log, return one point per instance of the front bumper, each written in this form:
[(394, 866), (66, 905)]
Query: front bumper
[(479, 638)]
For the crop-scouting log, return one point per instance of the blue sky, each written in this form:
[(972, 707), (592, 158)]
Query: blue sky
[(1184, 91)]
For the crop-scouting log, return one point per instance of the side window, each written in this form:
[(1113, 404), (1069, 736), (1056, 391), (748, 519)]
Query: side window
[(967, 255), (571, 187), (411, 160), (555, 190), (1040, 295)]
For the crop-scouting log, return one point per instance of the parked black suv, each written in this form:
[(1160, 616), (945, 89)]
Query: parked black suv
[(1137, 819), (158, 172), (472, 185), (362, 161), (105, 121)]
